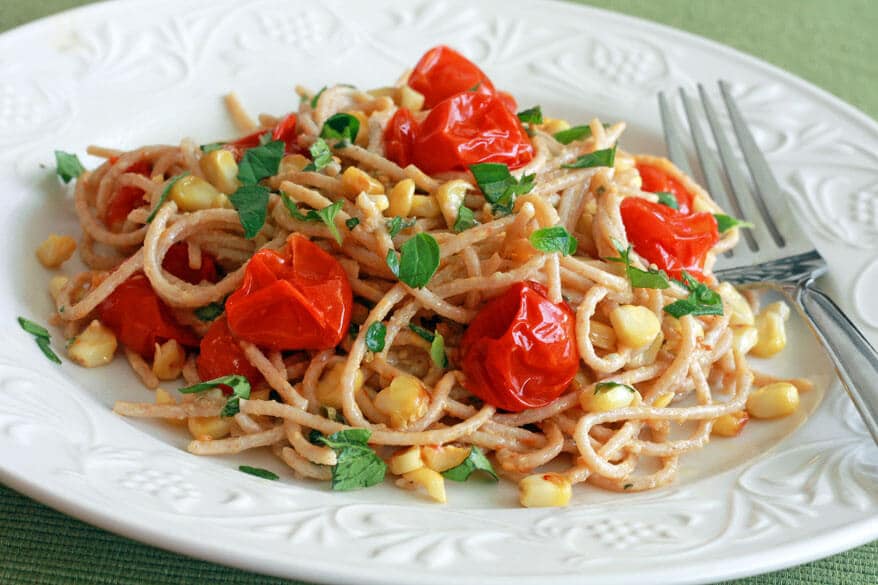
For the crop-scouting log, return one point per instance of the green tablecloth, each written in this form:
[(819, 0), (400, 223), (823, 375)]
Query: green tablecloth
[(833, 45)]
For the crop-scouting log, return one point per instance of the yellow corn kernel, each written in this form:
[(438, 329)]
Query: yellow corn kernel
[(329, 386), (730, 425), (430, 480), (403, 401), (772, 331), (94, 347), (544, 490), (56, 250), (56, 284), (443, 457), (608, 398), (362, 138), (356, 181), (222, 201), (744, 338), (410, 99), (162, 396), (220, 168), (168, 361), (207, 428), (635, 325), (648, 355), (193, 193), (406, 460), (773, 401), (401, 198), (554, 125), (740, 312), (602, 335), (450, 196), (380, 201), (292, 163), (425, 206), (662, 400)]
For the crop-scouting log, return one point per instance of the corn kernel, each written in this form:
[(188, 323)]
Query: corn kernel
[(207, 428), (602, 335), (94, 347), (193, 193), (443, 457), (425, 206), (739, 309), (430, 480), (168, 361), (635, 325), (648, 355), (608, 398), (162, 396), (222, 201), (744, 338), (380, 201), (329, 386), (772, 331), (401, 198), (56, 250), (221, 170), (410, 99), (450, 196), (544, 490), (56, 284), (406, 460), (356, 181), (730, 425), (663, 399), (554, 125), (403, 401), (293, 163), (773, 401)]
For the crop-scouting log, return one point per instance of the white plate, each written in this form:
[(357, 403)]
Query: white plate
[(125, 74)]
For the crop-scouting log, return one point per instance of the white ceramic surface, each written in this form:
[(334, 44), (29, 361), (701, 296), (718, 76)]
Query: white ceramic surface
[(128, 73)]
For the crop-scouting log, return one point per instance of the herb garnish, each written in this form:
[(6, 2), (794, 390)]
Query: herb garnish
[(397, 224), (210, 147), (240, 389), (326, 215), (532, 115), (375, 336), (475, 461), (465, 219), (41, 336), (259, 472), (260, 162), (553, 239), (209, 312), (701, 300), (598, 158), (320, 156), (499, 186), (352, 222), (726, 222), (164, 196), (607, 386), (316, 97), (639, 278), (67, 166), (575, 133), (251, 203), (417, 261), (357, 465), (669, 199), (437, 345), (341, 127)]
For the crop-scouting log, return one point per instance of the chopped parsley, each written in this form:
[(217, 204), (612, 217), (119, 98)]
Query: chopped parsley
[(726, 222), (42, 338), (668, 199), (475, 461), (251, 203), (639, 278), (598, 158), (67, 166), (164, 196), (553, 239), (375, 336), (701, 300), (357, 465), (499, 186), (417, 260), (259, 472)]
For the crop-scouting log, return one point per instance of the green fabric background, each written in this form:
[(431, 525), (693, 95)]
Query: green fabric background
[(832, 44)]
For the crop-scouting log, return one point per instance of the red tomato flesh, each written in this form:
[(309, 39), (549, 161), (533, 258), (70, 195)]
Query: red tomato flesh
[(399, 137), (656, 180), (520, 350), (127, 198), (443, 72), (222, 356), (176, 262)]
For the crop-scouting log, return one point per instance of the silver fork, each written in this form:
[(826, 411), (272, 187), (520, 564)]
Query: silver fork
[(776, 251)]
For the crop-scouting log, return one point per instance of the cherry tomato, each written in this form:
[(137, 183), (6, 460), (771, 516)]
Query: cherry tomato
[(299, 299), (284, 131), (443, 72), (672, 240), (222, 356), (520, 350), (399, 137), (656, 180), (470, 128), (508, 101), (140, 319), (126, 198), (176, 262)]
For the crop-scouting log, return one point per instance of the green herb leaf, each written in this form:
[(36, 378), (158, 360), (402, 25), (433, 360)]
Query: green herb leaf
[(639, 278), (43, 344), (726, 222), (574, 133), (316, 97), (164, 196), (320, 155), (240, 389), (354, 329), (341, 127), (327, 216), (423, 333), (475, 461), (417, 261), (209, 312), (34, 329), (475, 87), (397, 224), (67, 166), (259, 472), (357, 466), (465, 219), (668, 199), (260, 162), (352, 222), (606, 386), (701, 300), (499, 186), (598, 158), (211, 146), (532, 115), (437, 351), (251, 202), (375, 336), (553, 239)]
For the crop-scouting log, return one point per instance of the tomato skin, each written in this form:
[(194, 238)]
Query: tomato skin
[(140, 319), (126, 198), (399, 137), (443, 72), (672, 240), (656, 180), (285, 131), (300, 299), (520, 350), (176, 262), (470, 128), (221, 355)]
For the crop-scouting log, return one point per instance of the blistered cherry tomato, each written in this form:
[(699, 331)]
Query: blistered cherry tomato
[(140, 319), (443, 72), (470, 128), (299, 298), (176, 262), (672, 240), (520, 350), (656, 180), (126, 198), (221, 355), (399, 137)]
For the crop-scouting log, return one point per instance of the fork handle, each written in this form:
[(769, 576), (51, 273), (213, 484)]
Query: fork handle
[(854, 357)]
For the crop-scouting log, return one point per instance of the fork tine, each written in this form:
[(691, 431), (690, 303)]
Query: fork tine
[(769, 197), (673, 136)]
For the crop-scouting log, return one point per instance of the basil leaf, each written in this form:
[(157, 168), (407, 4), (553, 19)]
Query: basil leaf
[(475, 461), (532, 115), (397, 224), (327, 216), (164, 196), (598, 158), (209, 312), (465, 219), (34, 329), (292, 208), (437, 351), (320, 155), (701, 300), (341, 127), (639, 278), (316, 97), (357, 465), (670, 200), (499, 186), (233, 381), (417, 261), (352, 222), (423, 333), (259, 472), (574, 133), (211, 146), (375, 336), (251, 203), (553, 239), (43, 344), (726, 222), (606, 386), (260, 162), (67, 166)]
